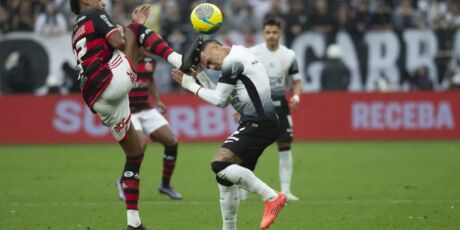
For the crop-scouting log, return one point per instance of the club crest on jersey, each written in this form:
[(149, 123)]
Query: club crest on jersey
[(148, 66)]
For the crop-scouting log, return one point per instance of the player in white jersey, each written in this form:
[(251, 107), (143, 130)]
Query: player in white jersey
[(244, 84), (280, 63)]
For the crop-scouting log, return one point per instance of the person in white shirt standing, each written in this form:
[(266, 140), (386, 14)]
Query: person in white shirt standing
[(280, 63)]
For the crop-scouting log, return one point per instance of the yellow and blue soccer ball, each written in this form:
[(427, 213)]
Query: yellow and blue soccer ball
[(206, 18)]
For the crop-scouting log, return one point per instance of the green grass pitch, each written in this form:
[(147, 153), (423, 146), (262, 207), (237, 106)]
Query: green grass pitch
[(342, 185)]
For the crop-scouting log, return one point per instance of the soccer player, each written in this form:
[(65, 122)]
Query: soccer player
[(149, 121), (244, 84), (280, 63), (106, 76)]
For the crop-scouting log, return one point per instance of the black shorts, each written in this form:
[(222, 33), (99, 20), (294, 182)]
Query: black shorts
[(251, 139), (282, 109)]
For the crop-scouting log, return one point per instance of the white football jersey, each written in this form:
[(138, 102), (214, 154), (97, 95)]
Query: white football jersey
[(279, 65), (251, 95)]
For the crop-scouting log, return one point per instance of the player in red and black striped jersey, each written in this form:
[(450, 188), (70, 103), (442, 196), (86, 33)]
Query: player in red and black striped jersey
[(144, 87), (103, 54), (150, 122)]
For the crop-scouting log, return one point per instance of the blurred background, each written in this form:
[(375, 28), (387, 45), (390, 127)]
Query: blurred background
[(380, 78), (395, 51)]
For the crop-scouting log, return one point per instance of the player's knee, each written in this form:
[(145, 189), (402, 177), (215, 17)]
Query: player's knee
[(218, 166), (170, 142)]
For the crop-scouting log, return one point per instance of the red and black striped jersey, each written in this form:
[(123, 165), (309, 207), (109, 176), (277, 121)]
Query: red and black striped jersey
[(93, 52), (139, 95)]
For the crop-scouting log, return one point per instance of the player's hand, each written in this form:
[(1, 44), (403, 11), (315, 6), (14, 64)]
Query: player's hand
[(183, 79), (236, 117), (177, 75), (141, 13), (161, 107), (186, 81), (294, 102)]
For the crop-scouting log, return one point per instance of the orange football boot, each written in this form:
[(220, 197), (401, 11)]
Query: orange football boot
[(271, 210)]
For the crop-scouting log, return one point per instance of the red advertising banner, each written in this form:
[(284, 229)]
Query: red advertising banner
[(321, 116), (378, 116)]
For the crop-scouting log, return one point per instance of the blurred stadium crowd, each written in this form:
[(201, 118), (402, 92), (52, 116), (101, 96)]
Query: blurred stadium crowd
[(243, 18)]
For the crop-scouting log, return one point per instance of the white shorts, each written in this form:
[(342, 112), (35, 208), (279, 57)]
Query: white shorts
[(112, 106), (148, 121)]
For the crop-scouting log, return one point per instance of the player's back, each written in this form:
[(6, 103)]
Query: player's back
[(252, 96), (91, 30)]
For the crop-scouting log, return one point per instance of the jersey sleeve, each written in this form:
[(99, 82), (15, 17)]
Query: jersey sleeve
[(293, 70), (104, 24), (231, 70)]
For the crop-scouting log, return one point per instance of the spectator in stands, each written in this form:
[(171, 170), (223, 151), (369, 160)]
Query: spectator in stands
[(381, 18), (277, 9), (453, 15), (404, 16), (295, 21), (171, 19), (343, 19), (320, 20), (421, 80), (432, 11), (236, 11), (360, 19), (3, 20), (50, 23), (335, 75), (22, 18)]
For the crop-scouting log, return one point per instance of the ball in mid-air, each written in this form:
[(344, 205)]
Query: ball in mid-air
[(206, 18)]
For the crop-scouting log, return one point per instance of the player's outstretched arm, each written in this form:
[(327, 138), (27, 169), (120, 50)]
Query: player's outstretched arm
[(218, 97), (131, 50)]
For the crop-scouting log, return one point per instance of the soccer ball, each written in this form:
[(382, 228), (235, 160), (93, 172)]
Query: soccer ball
[(206, 18)]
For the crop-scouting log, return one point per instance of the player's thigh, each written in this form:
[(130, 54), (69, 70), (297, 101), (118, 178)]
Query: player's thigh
[(227, 155), (250, 140), (115, 114), (123, 78)]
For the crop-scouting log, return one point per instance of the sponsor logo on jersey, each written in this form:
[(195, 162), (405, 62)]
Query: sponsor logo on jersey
[(106, 20)]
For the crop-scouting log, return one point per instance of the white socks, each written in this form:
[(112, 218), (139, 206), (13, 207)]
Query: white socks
[(245, 178), (229, 203), (175, 59), (285, 170), (133, 218)]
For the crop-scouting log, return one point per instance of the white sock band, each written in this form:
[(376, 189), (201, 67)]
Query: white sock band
[(175, 59), (133, 218)]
